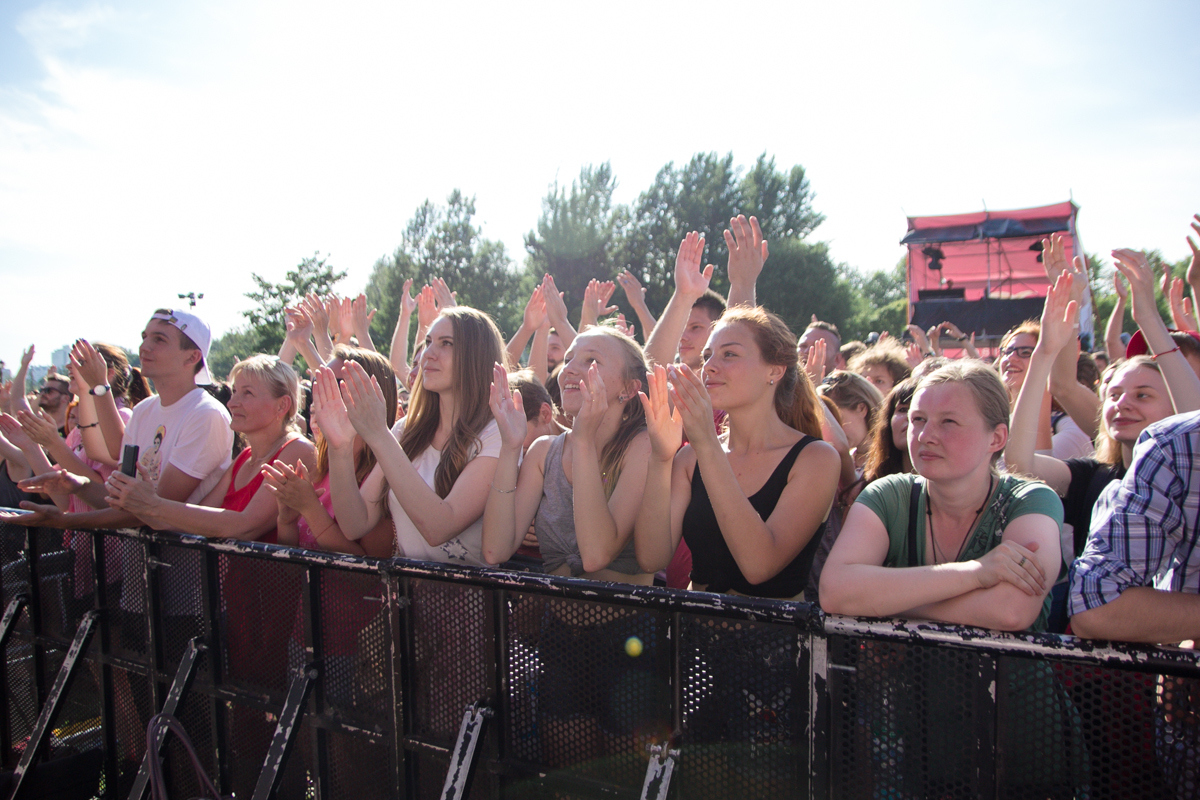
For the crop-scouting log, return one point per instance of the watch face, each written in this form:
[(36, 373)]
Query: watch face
[(99, 391)]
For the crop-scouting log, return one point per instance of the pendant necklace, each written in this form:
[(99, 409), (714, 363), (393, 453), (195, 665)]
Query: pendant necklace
[(961, 547)]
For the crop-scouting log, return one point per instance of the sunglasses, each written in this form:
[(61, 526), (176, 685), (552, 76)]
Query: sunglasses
[(1023, 352), (48, 389)]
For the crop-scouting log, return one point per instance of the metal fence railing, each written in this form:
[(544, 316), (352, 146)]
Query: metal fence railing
[(304, 674)]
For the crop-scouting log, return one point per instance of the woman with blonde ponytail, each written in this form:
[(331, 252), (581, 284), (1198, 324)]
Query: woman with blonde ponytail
[(751, 502)]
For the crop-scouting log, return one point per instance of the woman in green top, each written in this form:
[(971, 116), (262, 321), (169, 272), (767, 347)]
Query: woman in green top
[(978, 546)]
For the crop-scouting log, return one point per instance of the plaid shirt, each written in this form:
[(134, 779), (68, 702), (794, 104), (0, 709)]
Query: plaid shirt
[(1146, 529)]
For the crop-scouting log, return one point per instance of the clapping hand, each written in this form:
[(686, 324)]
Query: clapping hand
[(693, 404), (595, 403), (1060, 316), (508, 410), (364, 402), (690, 280), (663, 424), (89, 364), (292, 488), (329, 411), (747, 250)]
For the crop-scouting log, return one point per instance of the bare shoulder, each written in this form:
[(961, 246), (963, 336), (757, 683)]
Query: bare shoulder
[(817, 455)]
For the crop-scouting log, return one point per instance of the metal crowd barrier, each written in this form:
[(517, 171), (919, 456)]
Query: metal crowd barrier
[(302, 674)]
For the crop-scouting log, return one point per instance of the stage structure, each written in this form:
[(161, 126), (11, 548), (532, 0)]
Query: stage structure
[(983, 271)]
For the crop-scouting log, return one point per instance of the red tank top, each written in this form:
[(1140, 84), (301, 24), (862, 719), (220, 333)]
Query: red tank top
[(238, 499)]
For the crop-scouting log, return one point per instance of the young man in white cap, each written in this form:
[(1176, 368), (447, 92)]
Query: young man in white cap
[(182, 433)]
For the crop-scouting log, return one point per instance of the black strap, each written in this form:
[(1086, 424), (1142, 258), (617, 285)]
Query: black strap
[(913, 501)]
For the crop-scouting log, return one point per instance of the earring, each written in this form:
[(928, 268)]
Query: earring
[(771, 382), (621, 398)]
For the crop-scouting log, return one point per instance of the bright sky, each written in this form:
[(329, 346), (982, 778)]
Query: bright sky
[(150, 148)]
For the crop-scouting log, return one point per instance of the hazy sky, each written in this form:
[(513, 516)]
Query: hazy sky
[(151, 148)]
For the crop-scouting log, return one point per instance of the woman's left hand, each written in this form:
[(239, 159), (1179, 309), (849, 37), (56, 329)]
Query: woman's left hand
[(595, 403), (291, 487), (40, 427), (1015, 564), (364, 401), (135, 495), (694, 405)]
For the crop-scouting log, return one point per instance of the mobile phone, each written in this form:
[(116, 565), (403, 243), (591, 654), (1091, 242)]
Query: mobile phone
[(19, 512), (129, 459)]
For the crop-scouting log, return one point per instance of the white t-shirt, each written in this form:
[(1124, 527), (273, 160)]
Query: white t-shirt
[(467, 547), (192, 433), (1069, 441)]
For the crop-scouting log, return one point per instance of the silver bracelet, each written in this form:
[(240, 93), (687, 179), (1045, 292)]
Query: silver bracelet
[(503, 491)]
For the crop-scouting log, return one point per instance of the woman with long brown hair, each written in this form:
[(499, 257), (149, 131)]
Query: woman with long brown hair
[(751, 502), (436, 464)]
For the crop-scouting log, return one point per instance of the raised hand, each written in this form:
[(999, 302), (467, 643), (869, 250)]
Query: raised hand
[(333, 312), (747, 250), (346, 318), (595, 302), (1136, 268), (27, 357), (952, 330), (634, 291), (508, 410), (1193, 270), (595, 403), (556, 308), (427, 309), (934, 335), (408, 303), (627, 328), (693, 404), (690, 280), (298, 324), (89, 363), (913, 354), (1060, 316), (317, 313), (329, 410), (919, 338), (1054, 259), (663, 424), (364, 401), (814, 361), (1119, 287), (1182, 311), (535, 309), (5, 394), (13, 431), (40, 427), (441, 292)]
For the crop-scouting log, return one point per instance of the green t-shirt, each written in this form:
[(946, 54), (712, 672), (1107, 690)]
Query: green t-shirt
[(1013, 497)]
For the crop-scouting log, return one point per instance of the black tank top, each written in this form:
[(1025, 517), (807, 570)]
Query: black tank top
[(714, 565)]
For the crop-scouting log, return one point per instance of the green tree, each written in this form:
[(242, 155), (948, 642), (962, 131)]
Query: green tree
[(265, 330), (576, 234), (880, 301), (786, 285), (703, 195), (443, 241)]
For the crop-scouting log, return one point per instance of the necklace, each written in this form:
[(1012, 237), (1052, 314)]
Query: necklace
[(967, 537)]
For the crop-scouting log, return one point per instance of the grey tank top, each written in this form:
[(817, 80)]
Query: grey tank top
[(555, 520)]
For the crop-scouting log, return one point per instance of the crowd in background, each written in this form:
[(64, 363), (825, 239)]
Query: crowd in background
[(1041, 488)]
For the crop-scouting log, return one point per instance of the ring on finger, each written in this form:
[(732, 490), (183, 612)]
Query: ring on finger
[(1021, 563)]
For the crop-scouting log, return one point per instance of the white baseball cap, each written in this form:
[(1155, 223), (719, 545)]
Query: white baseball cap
[(197, 331)]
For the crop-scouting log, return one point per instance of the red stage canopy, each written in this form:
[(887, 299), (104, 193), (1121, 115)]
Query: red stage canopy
[(987, 255)]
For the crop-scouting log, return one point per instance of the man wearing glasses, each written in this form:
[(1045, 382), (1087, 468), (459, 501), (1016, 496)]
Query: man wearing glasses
[(54, 398)]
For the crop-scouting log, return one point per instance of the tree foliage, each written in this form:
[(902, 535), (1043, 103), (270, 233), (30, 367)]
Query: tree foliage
[(264, 331), (443, 241)]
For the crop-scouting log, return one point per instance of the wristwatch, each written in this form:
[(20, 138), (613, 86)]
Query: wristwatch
[(98, 391)]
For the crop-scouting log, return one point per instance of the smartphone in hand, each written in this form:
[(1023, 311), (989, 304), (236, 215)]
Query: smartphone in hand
[(129, 459)]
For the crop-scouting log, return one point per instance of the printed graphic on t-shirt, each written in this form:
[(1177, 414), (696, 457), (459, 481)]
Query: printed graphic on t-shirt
[(151, 459), (455, 550)]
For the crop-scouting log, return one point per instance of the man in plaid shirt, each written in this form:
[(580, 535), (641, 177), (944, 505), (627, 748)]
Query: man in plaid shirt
[(1138, 579)]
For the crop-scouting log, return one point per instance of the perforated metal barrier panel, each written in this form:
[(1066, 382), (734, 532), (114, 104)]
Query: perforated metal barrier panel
[(579, 681)]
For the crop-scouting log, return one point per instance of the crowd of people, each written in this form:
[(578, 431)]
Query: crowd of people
[(722, 453)]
